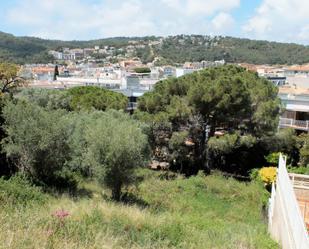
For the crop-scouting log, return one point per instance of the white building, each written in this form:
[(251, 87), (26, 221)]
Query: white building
[(296, 104)]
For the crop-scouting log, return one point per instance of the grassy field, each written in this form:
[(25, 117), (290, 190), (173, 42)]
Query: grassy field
[(199, 212)]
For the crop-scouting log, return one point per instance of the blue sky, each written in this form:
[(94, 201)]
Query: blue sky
[(277, 20)]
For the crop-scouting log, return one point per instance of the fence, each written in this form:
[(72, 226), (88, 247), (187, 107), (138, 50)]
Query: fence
[(286, 224)]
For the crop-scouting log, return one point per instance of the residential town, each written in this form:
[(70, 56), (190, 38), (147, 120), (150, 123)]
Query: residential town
[(124, 77)]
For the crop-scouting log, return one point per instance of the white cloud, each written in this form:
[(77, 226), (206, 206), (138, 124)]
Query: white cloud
[(304, 33), (209, 7), (283, 20), (201, 7), (223, 22), (79, 19)]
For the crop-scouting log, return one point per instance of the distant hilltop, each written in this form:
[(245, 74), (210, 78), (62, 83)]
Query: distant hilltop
[(163, 50)]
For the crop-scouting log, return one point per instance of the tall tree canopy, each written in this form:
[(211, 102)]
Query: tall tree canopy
[(87, 97), (9, 82), (228, 99)]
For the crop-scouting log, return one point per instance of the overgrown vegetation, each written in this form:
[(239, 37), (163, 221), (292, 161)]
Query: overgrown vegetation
[(81, 143), (200, 212)]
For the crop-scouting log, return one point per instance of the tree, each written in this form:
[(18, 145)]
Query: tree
[(227, 99), (56, 72), (9, 79), (47, 98), (142, 70), (90, 97), (36, 140), (117, 146)]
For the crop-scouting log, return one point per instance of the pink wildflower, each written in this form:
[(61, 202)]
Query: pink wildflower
[(61, 214)]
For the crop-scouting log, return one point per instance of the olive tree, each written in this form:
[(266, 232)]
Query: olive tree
[(36, 140), (117, 146)]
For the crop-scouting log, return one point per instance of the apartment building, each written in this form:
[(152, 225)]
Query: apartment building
[(296, 108)]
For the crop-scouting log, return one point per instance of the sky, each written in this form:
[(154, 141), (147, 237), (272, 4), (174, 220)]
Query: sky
[(275, 20)]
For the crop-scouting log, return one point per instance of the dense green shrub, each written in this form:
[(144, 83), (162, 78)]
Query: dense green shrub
[(36, 140), (273, 158), (142, 70), (299, 170), (18, 190), (52, 146), (50, 99)]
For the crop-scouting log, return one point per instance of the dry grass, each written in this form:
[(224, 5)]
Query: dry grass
[(200, 212)]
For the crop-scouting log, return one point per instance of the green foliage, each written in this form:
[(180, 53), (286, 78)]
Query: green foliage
[(175, 49), (19, 191), (180, 151), (178, 139), (22, 49), (285, 140), (273, 158), (255, 175), (75, 99), (227, 98), (303, 142), (142, 70), (116, 147), (299, 170), (79, 122), (36, 140), (145, 54), (223, 145), (53, 146), (87, 98), (9, 79), (50, 99), (179, 49), (199, 212)]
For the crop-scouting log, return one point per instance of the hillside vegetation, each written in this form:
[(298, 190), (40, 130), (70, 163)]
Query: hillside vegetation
[(74, 173), (199, 212), (173, 49)]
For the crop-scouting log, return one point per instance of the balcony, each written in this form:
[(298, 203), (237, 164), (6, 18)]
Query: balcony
[(295, 124)]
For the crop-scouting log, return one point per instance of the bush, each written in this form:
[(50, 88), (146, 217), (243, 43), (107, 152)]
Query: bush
[(273, 158), (254, 175), (142, 70), (19, 191), (50, 99), (62, 180), (37, 140), (299, 170), (268, 174)]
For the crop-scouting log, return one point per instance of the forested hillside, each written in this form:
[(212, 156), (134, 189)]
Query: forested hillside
[(172, 49), (232, 50)]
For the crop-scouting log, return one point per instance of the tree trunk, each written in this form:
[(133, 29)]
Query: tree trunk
[(201, 148), (211, 132), (116, 191)]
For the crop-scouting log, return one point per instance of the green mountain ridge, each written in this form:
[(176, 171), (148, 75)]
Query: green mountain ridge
[(172, 49)]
